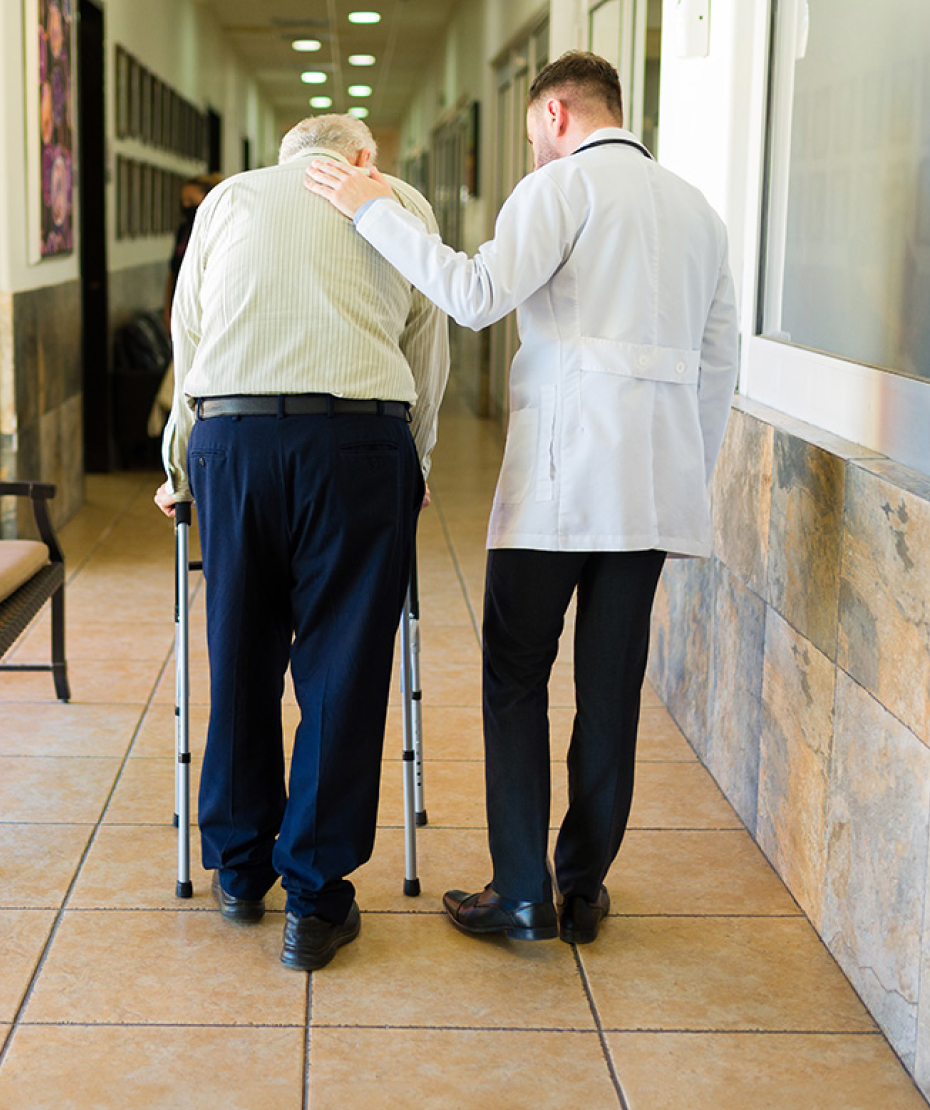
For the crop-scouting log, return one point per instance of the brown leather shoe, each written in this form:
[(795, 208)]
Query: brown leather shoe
[(241, 911), (310, 942), (579, 919), (486, 913)]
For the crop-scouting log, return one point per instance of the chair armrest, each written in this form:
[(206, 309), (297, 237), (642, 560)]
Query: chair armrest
[(39, 493)]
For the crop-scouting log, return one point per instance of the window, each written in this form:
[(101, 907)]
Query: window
[(847, 255)]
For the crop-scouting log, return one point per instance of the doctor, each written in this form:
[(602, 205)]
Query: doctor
[(619, 398)]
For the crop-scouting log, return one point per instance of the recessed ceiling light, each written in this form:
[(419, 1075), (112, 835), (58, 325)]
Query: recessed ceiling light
[(313, 77), (359, 90), (306, 46), (364, 17), (358, 111), (321, 102), (361, 59)]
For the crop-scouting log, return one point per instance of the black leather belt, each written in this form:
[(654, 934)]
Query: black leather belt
[(298, 404)]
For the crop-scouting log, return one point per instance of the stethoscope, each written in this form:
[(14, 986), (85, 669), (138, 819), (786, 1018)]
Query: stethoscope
[(614, 142)]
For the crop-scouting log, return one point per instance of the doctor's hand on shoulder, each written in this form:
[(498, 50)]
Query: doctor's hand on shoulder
[(345, 187)]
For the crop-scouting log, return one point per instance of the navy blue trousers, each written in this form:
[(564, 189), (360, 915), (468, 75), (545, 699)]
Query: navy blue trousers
[(307, 525), (526, 596)]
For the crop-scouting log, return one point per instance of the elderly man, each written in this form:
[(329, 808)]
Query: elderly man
[(309, 378), (619, 397)]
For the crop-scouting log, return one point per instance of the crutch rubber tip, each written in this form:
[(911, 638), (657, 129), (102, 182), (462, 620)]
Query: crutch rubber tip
[(176, 822), (411, 887), (184, 890), (421, 818)]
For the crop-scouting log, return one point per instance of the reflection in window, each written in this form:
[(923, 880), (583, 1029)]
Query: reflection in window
[(848, 218)]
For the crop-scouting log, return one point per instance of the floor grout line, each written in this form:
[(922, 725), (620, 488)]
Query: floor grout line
[(605, 1047)]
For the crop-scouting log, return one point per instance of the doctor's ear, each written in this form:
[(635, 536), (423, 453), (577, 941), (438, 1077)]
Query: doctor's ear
[(556, 115), (363, 158)]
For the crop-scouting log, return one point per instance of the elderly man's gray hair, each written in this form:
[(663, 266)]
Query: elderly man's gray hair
[(344, 134)]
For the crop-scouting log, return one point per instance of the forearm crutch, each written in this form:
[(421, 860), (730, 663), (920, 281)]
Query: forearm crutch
[(414, 805), (182, 770)]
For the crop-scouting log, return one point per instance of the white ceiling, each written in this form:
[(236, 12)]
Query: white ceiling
[(403, 43)]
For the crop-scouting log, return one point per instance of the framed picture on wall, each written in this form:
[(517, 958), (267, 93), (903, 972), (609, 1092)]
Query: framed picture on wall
[(122, 93), (157, 91), (166, 96), (135, 97), (123, 203), (135, 199), (145, 95)]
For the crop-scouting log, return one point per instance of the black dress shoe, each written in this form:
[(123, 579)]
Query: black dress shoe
[(486, 913), (310, 942), (579, 919), (242, 911)]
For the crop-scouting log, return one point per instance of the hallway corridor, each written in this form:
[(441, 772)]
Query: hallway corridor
[(707, 990)]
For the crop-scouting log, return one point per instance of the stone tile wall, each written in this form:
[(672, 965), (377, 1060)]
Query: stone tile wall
[(41, 418), (797, 662), (41, 386)]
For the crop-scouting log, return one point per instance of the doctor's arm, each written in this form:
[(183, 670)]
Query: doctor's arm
[(533, 236)]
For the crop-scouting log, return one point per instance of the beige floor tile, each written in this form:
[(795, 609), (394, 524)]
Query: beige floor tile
[(679, 796), (751, 1071), (650, 698), (446, 859), (695, 873), (198, 677), (454, 793), (54, 1067), (144, 794), (441, 644), (446, 684), (103, 641), (38, 862), (54, 790), (69, 729), (723, 973), (391, 974), (433, 1069), (658, 740), (23, 934), (136, 867), (168, 969), (92, 682), (156, 735), (449, 732)]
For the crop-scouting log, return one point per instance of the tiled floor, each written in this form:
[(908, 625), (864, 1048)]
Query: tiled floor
[(707, 990)]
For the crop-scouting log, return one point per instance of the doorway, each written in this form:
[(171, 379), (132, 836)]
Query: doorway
[(95, 343)]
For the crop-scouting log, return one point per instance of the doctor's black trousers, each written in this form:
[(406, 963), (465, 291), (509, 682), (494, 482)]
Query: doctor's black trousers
[(526, 596)]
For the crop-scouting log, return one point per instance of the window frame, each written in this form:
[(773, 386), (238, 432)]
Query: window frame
[(880, 409)]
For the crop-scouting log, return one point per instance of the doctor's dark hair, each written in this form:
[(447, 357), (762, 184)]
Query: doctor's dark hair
[(579, 78)]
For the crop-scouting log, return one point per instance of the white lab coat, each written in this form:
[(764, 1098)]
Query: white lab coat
[(621, 388)]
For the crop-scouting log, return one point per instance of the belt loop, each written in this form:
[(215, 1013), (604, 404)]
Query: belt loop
[(380, 408), (329, 405), (281, 412), (198, 408), (409, 414)]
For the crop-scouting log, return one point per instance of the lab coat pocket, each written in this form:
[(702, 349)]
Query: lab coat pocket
[(519, 455)]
